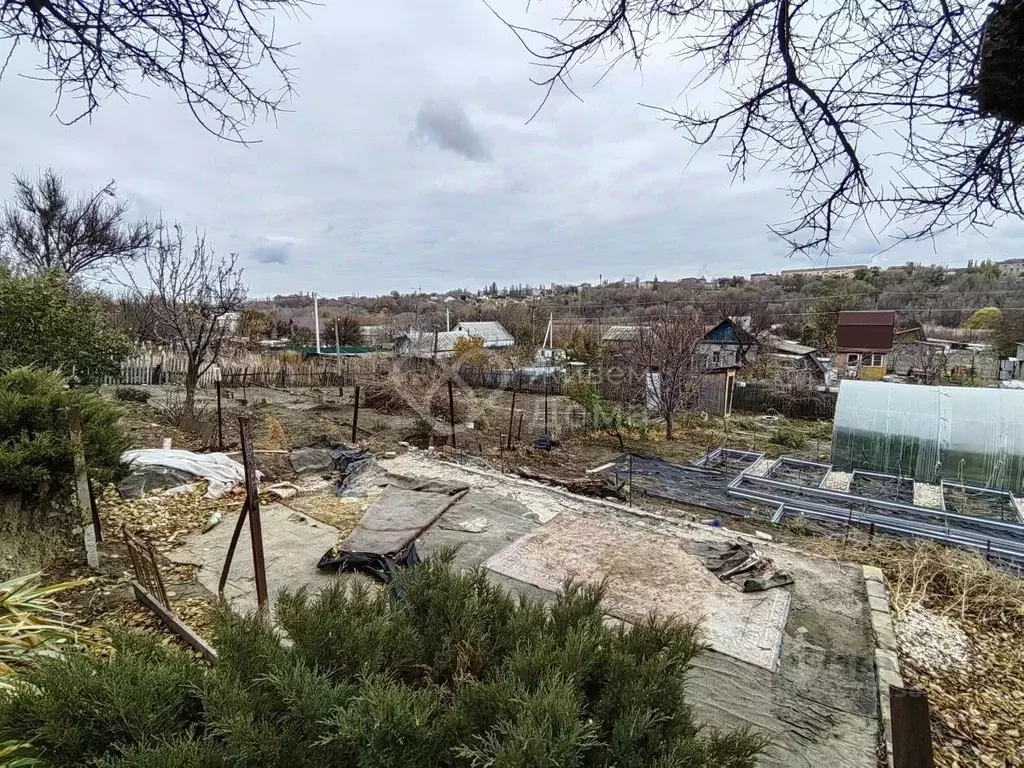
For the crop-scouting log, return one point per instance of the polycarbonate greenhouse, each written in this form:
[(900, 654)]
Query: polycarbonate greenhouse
[(968, 435)]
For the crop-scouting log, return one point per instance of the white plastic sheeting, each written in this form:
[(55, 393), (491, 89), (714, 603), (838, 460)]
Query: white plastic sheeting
[(219, 470)]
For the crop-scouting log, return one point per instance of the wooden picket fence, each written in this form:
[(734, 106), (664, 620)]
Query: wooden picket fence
[(251, 370)]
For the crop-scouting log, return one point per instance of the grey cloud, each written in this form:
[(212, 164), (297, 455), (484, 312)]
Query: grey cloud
[(273, 253), (446, 125)]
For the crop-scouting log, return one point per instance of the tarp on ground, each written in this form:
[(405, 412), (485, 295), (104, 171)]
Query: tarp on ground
[(677, 482), (221, 471)]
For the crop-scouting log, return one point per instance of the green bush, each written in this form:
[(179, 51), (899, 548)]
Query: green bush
[(455, 672), (131, 395), (35, 446), (47, 320), (788, 436)]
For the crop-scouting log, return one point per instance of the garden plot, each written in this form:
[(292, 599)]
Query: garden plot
[(729, 460), (799, 471), (877, 485), (980, 502)]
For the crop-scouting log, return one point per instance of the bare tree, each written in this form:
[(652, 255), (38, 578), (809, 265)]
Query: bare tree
[(44, 227), (910, 109), (350, 332), (667, 365), (926, 360), (191, 291), (206, 51)]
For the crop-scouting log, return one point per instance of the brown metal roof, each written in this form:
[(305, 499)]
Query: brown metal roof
[(865, 331)]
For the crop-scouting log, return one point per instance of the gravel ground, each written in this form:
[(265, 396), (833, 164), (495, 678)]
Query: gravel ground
[(930, 640), (927, 495), (838, 481), (760, 467)]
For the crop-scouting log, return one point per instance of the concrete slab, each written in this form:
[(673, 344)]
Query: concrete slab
[(647, 571), (292, 545)]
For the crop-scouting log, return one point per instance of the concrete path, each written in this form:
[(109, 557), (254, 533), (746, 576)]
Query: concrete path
[(292, 545)]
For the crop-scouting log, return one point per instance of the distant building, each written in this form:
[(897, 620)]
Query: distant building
[(845, 271), (428, 345), (620, 334), (493, 334), (798, 358), (863, 340), (1011, 268), (725, 346), (229, 322), (760, 277)]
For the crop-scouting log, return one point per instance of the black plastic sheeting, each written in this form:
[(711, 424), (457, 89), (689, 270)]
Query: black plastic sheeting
[(661, 479), (380, 567)]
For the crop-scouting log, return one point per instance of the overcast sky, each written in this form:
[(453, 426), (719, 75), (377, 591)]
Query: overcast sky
[(406, 163)]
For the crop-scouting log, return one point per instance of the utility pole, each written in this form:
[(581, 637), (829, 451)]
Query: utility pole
[(448, 318), (316, 320)]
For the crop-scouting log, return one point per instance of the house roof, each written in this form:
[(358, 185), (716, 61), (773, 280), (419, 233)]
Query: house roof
[(491, 332), (865, 331), (729, 331), (790, 347), (421, 343), (621, 333)]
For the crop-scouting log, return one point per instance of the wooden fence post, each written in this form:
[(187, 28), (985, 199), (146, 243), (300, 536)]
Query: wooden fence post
[(911, 730), (451, 410), (252, 501), (355, 415), (90, 531)]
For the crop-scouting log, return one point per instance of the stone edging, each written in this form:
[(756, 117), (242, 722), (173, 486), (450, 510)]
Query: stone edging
[(887, 665)]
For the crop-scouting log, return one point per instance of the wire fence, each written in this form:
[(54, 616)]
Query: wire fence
[(796, 403)]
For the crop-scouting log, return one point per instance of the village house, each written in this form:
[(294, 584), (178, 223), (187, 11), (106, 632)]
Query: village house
[(863, 342), (493, 333)]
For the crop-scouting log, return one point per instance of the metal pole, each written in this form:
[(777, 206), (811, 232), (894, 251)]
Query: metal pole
[(519, 432), (220, 420), (355, 415), (252, 501), (337, 352), (631, 479), (451, 409), (316, 320), (511, 419), (546, 383)]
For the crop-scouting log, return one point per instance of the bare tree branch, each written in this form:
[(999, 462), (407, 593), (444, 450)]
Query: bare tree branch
[(45, 228), (206, 51), (828, 92)]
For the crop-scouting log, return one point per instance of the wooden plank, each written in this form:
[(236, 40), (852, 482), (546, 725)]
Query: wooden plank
[(252, 501), (176, 625), (90, 530), (911, 729)]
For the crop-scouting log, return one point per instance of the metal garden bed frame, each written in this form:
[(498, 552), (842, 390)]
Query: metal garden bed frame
[(1007, 498)]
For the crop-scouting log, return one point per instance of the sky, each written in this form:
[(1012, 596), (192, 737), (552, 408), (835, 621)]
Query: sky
[(407, 162)]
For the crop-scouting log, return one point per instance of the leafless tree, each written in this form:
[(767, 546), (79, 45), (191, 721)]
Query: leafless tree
[(44, 227), (667, 364), (135, 316), (350, 332), (191, 291), (911, 109), (927, 360), (206, 51)]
